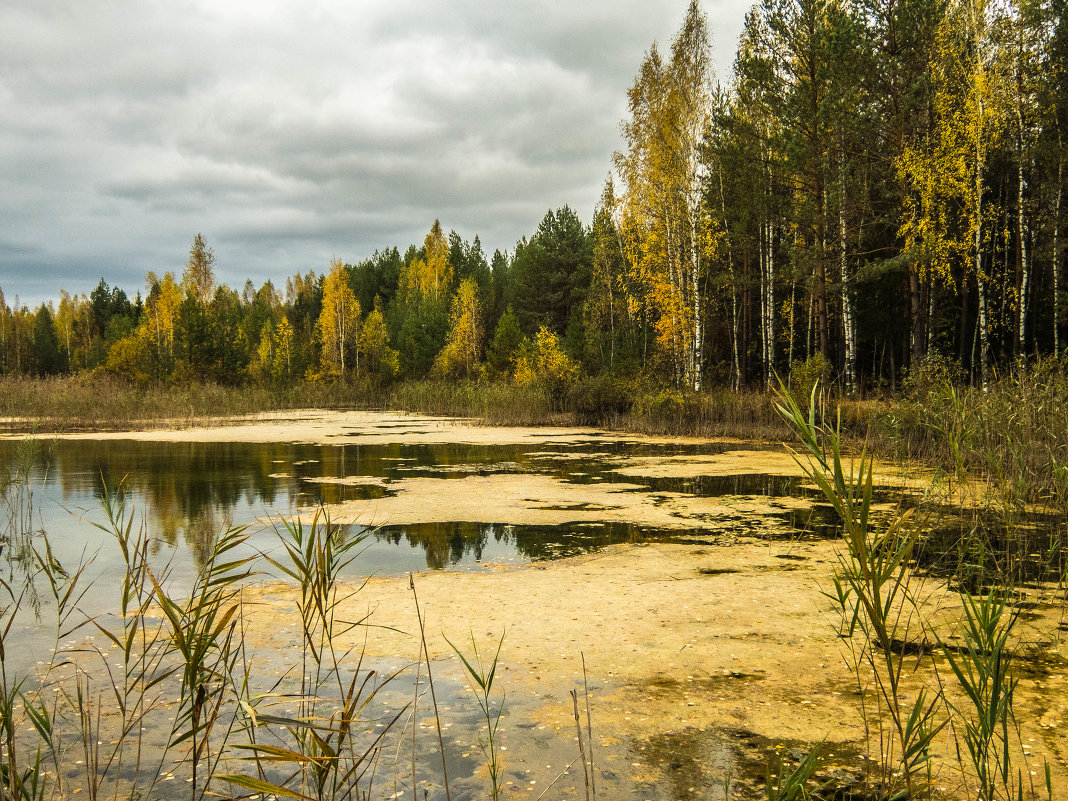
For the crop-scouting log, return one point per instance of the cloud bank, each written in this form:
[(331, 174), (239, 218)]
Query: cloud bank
[(292, 133)]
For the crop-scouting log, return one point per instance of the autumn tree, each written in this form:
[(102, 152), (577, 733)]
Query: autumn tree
[(339, 323), (604, 312), (381, 359), (544, 366), (460, 355), (420, 310), (283, 367), (67, 323), (6, 331), (159, 324), (945, 221), (261, 367), (199, 276), (662, 173)]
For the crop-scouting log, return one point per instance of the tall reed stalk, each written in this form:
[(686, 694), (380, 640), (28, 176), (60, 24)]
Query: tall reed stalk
[(873, 593), (480, 675), (321, 744), (983, 668), (27, 563)]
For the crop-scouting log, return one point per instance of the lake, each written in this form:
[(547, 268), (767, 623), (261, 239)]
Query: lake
[(676, 585)]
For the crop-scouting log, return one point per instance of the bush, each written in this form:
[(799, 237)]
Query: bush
[(600, 398), (543, 365), (804, 375)]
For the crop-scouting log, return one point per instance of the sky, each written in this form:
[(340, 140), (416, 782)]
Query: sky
[(291, 133)]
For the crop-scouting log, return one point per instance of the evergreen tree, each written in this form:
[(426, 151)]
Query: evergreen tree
[(47, 357)]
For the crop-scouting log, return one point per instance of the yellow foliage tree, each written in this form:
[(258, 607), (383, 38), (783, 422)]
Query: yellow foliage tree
[(544, 365), (431, 275), (199, 276), (262, 364), (130, 356), (943, 222), (660, 210), (66, 318), (283, 350), (381, 359), (464, 343), (339, 321), (161, 314)]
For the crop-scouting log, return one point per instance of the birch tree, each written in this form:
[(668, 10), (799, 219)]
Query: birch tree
[(662, 175), (756, 120), (199, 276), (339, 322), (160, 318), (945, 219)]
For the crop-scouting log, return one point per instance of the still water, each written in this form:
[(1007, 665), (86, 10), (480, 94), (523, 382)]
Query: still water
[(186, 493)]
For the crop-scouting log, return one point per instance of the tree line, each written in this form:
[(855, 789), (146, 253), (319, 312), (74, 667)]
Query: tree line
[(879, 182)]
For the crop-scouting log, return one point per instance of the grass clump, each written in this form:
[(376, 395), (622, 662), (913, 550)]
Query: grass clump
[(885, 623), (875, 597)]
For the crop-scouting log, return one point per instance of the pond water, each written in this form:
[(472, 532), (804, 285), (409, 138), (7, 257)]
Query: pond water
[(187, 493)]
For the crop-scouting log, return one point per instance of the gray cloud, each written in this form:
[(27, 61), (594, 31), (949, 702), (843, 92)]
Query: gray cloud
[(291, 133)]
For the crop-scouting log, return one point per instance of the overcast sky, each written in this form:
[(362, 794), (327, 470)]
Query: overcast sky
[(289, 133)]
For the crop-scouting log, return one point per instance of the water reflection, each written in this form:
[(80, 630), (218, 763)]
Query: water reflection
[(189, 492), (466, 544)]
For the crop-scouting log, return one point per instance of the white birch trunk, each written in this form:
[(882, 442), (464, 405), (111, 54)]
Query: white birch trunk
[(1025, 270), (734, 286), (695, 286), (1057, 251), (847, 300)]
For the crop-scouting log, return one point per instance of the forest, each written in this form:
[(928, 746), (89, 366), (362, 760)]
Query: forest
[(878, 183)]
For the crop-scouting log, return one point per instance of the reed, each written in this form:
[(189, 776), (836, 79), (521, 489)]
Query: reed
[(480, 675), (794, 785), (874, 595), (1013, 436), (102, 402), (320, 745), (27, 562), (983, 667)]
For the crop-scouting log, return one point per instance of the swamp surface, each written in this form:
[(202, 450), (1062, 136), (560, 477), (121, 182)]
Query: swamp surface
[(675, 583)]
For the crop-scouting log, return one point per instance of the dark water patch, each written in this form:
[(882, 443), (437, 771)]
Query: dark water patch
[(576, 507), (1039, 662), (842, 770), (980, 547), (466, 545), (684, 765), (763, 485), (819, 521), (712, 763), (702, 687)]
